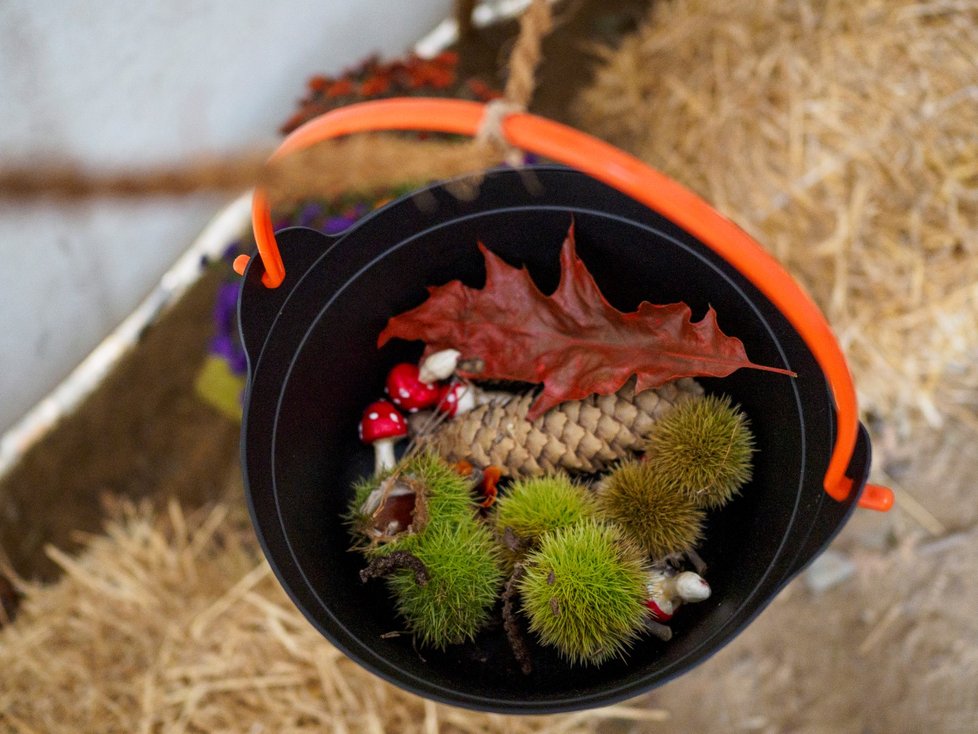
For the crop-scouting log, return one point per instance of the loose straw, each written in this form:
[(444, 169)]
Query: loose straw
[(173, 622), (842, 136)]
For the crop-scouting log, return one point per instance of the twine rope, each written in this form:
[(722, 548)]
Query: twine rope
[(361, 162), (535, 23), (366, 162)]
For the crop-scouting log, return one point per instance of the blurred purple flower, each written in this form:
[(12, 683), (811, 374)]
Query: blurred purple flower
[(309, 214), (341, 222), (226, 305), (224, 346), (238, 361), (335, 225)]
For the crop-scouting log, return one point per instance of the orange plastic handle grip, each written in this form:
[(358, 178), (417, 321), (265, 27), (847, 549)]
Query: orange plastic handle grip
[(630, 176)]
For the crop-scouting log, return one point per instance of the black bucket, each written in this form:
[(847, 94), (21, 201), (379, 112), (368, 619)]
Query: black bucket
[(314, 365)]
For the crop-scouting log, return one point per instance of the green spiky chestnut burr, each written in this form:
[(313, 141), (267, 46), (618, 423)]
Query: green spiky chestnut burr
[(448, 571), (464, 578), (703, 447), (533, 507), (650, 510), (583, 592), (402, 501)]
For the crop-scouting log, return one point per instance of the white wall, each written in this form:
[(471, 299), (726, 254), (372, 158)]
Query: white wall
[(122, 83)]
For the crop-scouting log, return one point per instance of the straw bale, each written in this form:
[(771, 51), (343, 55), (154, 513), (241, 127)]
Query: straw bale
[(174, 623), (842, 137)]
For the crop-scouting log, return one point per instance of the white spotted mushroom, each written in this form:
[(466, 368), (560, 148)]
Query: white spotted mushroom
[(457, 398), (407, 391), (383, 426)]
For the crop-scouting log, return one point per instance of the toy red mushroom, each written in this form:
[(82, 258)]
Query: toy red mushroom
[(457, 398), (383, 426), (667, 591), (407, 391)]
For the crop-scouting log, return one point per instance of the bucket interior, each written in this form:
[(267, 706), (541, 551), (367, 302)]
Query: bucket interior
[(320, 366)]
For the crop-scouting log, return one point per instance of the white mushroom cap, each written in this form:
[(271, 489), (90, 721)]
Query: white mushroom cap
[(439, 365), (692, 587)]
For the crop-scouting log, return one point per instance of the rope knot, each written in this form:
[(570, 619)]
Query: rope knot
[(491, 130)]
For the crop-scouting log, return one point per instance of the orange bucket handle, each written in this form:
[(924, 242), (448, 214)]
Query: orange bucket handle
[(629, 175)]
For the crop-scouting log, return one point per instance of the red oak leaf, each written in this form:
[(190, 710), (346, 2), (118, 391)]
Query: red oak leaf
[(573, 341)]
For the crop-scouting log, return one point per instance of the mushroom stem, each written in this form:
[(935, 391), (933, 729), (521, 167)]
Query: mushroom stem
[(383, 456)]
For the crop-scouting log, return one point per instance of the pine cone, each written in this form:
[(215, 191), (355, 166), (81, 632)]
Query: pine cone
[(579, 435)]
